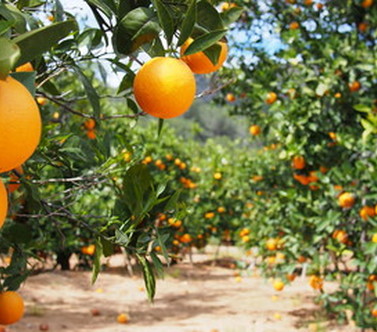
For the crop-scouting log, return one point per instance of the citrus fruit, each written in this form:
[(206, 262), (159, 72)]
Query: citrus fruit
[(25, 67), (3, 203), (199, 63), (20, 124), (12, 186), (164, 87), (298, 162), (254, 130), (271, 97), (346, 200), (278, 285), (11, 308)]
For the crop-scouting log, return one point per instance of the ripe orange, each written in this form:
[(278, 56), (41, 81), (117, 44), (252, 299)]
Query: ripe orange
[(25, 67), (41, 101), (230, 97), (186, 238), (291, 277), (226, 6), (298, 162), (254, 130), (20, 124), (221, 209), (209, 215), (90, 124), (374, 312), (319, 6), (91, 134), (302, 259), (374, 238), (294, 25), (271, 98), (316, 282), (217, 176), (363, 26), (11, 308), (123, 318), (278, 285), (3, 203), (308, 2), (367, 3), (271, 244), (366, 212), (354, 86), (340, 235), (89, 250), (164, 87), (12, 187), (346, 200), (199, 63)]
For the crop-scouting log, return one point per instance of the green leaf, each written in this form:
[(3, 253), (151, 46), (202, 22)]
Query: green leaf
[(165, 19), (107, 247), (205, 41), (172, 202), (362, 108), (213, 53), (90, 91), (9, 54), (160, 127), (97, 261), (157, 264), (19, 233), (188, 23), (208, 17), (34, 43), (5, 26), (138, 27), (27, 79), (231, 15), (149, 278)]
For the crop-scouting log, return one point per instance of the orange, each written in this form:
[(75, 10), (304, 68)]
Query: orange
[(254, 130), (164, 87), (332, 135), (346, 200), (12, 186), (271, 98), (367, 3), (301, 259), (319, 6), (199, 62), (363, 27), (226, 6), (366, 212), (294, 25), (374, 312), (89, 250), (316, 282), (20, 124), (340, 235), (308, 2), (41, 101), (374, 238), (11, 308), (271, 244), (221, 209), (186, 238), (217, 176), (90, 124), (209, 215), (230, 97), (91, 134), (123, 318), (338, 95), (354, 86), (290, 1), (291, 277), (278, 285), (298, 162), (3, 203), (25, 67)]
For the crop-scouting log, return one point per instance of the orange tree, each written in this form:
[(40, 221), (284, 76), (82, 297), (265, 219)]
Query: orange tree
[(312, 93), (89, 181)]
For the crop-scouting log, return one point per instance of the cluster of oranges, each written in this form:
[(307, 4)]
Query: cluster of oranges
[(165, 87), (20, 127)]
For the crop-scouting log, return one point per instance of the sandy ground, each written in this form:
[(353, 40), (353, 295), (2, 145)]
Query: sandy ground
[(191, 298)]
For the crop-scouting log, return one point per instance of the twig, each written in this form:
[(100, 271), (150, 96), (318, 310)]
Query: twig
[(212, 91)]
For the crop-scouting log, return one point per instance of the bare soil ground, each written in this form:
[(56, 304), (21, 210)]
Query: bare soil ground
[(191, 298)]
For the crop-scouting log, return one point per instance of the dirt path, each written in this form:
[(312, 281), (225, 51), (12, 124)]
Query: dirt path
[(198, 298)]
